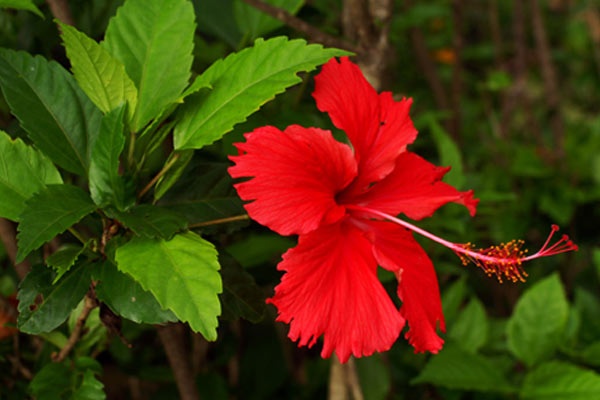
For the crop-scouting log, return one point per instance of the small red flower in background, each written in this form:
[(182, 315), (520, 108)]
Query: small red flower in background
[(341, 200)]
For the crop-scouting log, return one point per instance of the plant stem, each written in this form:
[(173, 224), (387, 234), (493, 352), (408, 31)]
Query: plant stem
[(235, 218), (172, 336), (88, 305), (160, 174)]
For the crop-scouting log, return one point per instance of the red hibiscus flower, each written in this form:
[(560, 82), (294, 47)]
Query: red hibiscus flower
[(342, 201)]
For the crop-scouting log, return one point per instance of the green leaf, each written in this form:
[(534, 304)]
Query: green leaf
[(107, 187), (174, 173), (101, 76), (50, 212), (456, 368), (21, 5), (125, 297), (241, 84), (154, 40), (152, 221), (63, 259), (257, 249), (540, 317), (449, 154), (561, 381), (182, 273), (216, 18), (375, 377), (50, 382), (241, 297), (254, 23), (23, 171), (91, 388), (59, 118), (471, 328), (57, 300), (453, 297)]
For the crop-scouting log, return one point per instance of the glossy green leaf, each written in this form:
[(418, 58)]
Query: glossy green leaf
[(152, 221), (154, 40), (241, 298), (241, 84), (471, 327), (453, 297), (254, 23), (59, 118), (23, 171), (125, 297), (540, 317), (456, 368), (560, 381), (49, 212), (63, 259), (45, 313), (183, 275), (27, 5), (107, 186), (174, 173), (101, 76)]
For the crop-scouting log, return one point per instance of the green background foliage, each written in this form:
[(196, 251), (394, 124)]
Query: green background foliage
[(115, 133)]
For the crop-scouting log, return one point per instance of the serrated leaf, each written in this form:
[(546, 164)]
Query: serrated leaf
[(241, 84), (51, 381), (540, 317), (63, 259), (23, 171), (456, 368), (27, 5), (152, 221), (107, 186), (561, 381), (255, 23), (125, 297), (101, 76), (91, 388), (154, 40), (471, 328), (241, 297), (174, 173), (183, 275), (56, 114), (57, 300), (49, 212)]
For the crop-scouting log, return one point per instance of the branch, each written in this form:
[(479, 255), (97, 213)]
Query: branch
[(171, 336), (61, 11), (88, 305), (235, 218), (313, 33)]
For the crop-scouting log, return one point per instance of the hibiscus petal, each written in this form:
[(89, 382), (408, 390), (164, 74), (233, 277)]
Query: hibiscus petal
[(330, 288), (415, 189), (295, 177), (378, 127), (396, 250)]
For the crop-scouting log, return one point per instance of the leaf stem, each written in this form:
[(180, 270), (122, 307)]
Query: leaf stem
[(77, 235), (88, 305), (235, 218), (160, 174)]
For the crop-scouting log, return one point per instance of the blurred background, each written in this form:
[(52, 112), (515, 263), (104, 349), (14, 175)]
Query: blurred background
[(506, 92)]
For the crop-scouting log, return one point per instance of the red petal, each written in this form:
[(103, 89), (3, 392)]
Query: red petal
[(415, 189), (378, 127), (330, 288), (396, 250), (295, 177)]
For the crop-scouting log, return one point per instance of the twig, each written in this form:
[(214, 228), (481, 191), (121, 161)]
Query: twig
[(343, 381), (172, 336), (313, 33), (88, 305), (61, 11), (8, 235), (235, 218), (160, 174)]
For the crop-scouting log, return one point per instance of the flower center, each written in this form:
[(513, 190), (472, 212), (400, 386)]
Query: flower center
[(502, 261)]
